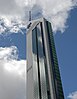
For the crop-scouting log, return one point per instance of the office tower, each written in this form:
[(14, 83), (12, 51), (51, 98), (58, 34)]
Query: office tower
[(43, 76)]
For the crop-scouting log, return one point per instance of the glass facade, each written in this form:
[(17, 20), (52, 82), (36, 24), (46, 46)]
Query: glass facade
[(55, 68), (39, 53), (46, 80)]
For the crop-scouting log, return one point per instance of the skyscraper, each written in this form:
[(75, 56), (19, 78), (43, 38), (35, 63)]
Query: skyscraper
[(43, 76)]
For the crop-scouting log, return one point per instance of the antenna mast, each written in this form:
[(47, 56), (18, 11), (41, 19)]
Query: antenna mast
[(30, 16)]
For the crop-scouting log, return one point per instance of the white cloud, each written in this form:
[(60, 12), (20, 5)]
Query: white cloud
[(57, 12), (8, 53), (12, 74), (10, 7), (15, 13), (73, 95)]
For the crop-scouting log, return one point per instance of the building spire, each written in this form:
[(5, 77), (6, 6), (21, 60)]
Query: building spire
[(30, 16)]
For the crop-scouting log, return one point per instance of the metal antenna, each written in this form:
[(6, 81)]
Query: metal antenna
[(29, 15), (30, 18)]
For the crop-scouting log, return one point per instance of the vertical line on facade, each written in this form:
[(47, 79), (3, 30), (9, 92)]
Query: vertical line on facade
[(38, 64)]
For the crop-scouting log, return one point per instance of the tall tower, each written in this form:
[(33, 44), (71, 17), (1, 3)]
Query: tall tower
[(43, 76)]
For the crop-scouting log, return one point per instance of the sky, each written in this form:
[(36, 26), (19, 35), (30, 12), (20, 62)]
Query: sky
[(13, 21)]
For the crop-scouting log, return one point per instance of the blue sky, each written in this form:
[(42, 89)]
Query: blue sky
[(18, 40), (66, 47), (62, 14)]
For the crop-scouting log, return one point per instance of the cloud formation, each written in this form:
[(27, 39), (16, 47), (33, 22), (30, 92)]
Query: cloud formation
[(15, 13), (73, 95), (10, 7), (12, 74), (8, 53)]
